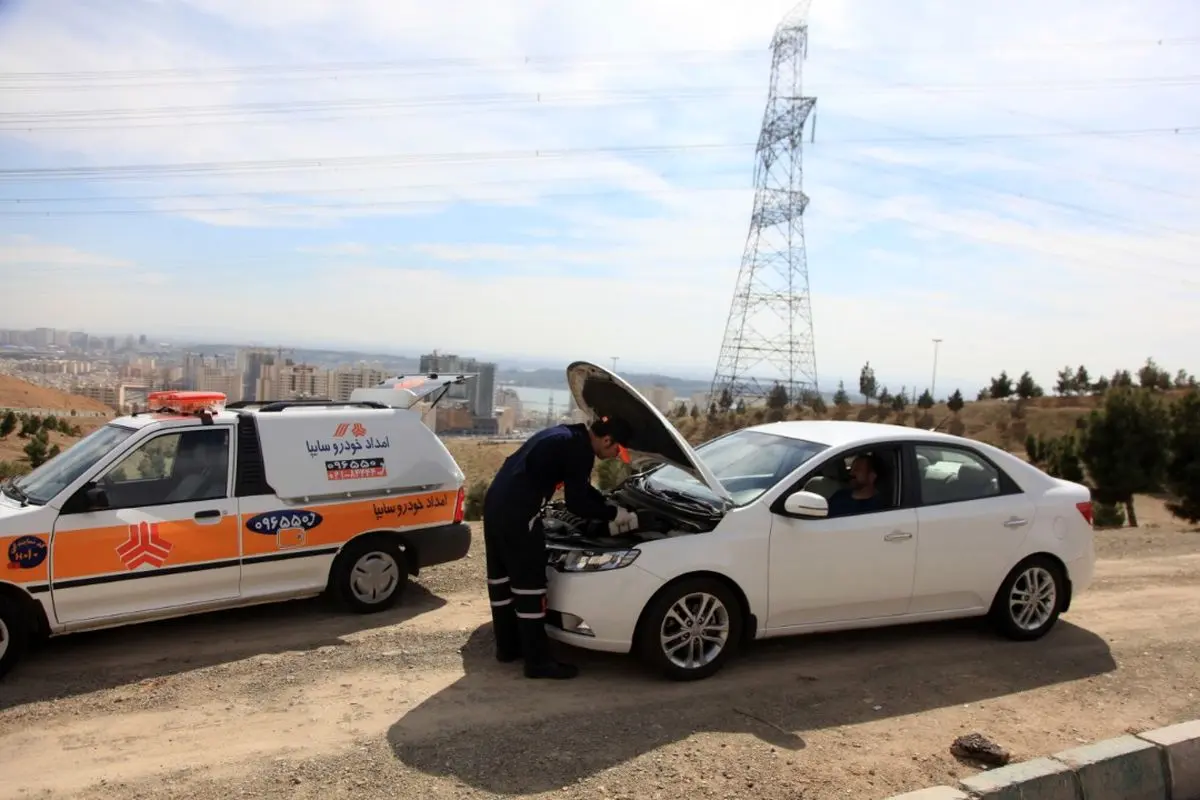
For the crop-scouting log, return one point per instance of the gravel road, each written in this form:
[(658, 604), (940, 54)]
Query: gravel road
[(298, 701)]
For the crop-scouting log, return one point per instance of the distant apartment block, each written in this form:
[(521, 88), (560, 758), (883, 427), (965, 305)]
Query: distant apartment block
[(479, 393)]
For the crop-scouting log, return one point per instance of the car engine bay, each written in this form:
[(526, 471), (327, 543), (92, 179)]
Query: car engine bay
[(656, 520)]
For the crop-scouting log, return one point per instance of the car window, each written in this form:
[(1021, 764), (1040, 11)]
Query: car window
[(184, 467), (847, 496), (952, 475)]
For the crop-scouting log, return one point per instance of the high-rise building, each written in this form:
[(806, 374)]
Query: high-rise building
[(344, 380), (251, 363), (483, 390)]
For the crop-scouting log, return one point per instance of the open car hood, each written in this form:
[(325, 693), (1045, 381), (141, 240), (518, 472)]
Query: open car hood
[(600, 393)]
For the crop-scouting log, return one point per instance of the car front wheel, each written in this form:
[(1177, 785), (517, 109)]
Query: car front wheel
[(1030, 599), (691, 629)]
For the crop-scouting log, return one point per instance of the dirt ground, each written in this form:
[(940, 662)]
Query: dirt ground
[(298, 701)]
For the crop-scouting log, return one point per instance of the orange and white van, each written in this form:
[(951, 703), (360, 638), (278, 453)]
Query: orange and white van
[(198, 505)]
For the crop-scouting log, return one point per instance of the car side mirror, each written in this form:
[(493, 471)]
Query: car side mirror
[(806, 504)]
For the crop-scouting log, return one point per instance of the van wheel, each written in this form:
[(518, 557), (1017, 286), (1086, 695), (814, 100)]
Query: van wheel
[(14, 633), (691, 629), (369, 575)]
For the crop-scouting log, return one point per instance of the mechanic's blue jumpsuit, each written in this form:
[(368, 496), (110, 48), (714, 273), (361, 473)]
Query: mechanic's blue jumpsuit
[(514, 541)]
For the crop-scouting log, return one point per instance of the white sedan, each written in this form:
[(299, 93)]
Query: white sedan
[(798, 527)]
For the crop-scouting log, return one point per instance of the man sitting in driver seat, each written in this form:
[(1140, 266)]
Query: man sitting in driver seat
[(860, 496)]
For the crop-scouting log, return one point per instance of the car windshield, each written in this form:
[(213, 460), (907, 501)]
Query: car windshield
[(747, 463), (45, 482)]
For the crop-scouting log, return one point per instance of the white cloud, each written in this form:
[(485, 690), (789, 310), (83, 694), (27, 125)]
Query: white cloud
[(1017, 252)]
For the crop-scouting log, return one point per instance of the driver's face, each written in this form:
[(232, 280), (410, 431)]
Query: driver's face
[(861, 475)]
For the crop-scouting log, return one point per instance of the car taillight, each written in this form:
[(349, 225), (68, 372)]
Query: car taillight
[(459, 505), (1085, 508)]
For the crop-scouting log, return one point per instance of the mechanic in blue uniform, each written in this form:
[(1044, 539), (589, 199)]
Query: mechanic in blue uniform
[(515, 542)]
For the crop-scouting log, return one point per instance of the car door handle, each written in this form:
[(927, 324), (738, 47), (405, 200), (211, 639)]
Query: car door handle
[(1015, 522), (208, 514), (897, 536)]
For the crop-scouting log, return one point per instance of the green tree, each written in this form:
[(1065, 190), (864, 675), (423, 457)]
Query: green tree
[(885, 398), (1027, 387), (8, 424), (1121, 379), (1183, 464), (1124, 447), (29, 425), (54, 451), (473, 502), (867, 385), (956, 402), (1101, 386), (725, 402), (1002, 386), (1083, 381), (777, 398), (900, 401), (740, 408), (1150, 376), (1181, 379), (925, 401), (1065, 384), (817, 404), (840, 398), (35, 451), (50, 423), (695, 414)]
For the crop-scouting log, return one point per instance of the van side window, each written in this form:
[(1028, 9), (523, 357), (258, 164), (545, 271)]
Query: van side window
[(185, 467)]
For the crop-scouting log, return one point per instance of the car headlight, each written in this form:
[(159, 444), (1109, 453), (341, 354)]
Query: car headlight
[(594, 561)]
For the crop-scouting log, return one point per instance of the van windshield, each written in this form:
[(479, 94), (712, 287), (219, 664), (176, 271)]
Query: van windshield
[(47, 481)]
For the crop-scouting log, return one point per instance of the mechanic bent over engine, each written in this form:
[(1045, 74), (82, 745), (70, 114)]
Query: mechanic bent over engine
[(514, 540)]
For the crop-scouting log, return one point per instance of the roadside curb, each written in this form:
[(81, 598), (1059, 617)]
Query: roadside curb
[(1162, 764)]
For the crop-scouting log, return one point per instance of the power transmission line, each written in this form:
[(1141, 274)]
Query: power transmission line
[(571, 60), (82, 173)]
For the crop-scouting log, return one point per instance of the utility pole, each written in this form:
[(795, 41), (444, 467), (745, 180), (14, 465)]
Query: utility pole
[(933, 382)]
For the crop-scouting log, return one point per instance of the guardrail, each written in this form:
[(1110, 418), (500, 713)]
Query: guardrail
[(1162, 764)]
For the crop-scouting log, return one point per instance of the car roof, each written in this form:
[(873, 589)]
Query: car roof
[(836, 433)]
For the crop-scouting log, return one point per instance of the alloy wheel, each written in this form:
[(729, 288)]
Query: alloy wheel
[(1033, 598), (694, 630)]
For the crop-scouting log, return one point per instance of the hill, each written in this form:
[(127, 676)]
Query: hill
[(18, 394)]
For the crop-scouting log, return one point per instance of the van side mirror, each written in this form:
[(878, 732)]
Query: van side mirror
[(806, 504), (90, 497)]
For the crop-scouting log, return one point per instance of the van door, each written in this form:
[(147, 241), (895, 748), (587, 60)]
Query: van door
[(159, 531)]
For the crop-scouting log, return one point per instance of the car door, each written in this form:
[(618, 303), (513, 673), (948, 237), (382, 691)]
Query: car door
[(843, 568), (162, 532), (973, 519)]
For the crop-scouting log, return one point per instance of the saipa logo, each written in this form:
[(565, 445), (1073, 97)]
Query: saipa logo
[(144, 546), (355, 429)]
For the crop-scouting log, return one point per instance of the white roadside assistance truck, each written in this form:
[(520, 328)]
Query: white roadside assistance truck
[(197, 505)]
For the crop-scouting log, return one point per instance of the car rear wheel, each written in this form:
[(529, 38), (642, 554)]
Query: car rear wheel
[(690, 629), (1030, 600), (14, 633), (369, 575)]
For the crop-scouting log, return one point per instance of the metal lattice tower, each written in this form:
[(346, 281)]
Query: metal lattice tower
[(769, 334)]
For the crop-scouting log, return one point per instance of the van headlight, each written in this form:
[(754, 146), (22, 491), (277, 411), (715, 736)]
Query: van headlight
[(595, 561)]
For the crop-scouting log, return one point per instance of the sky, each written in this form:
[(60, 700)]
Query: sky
[(575, 180)]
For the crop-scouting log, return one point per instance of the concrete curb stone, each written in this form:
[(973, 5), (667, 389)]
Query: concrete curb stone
[(1162, 764)]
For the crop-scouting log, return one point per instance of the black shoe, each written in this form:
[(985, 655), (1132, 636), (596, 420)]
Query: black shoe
[(551, 670), (508, 656)]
